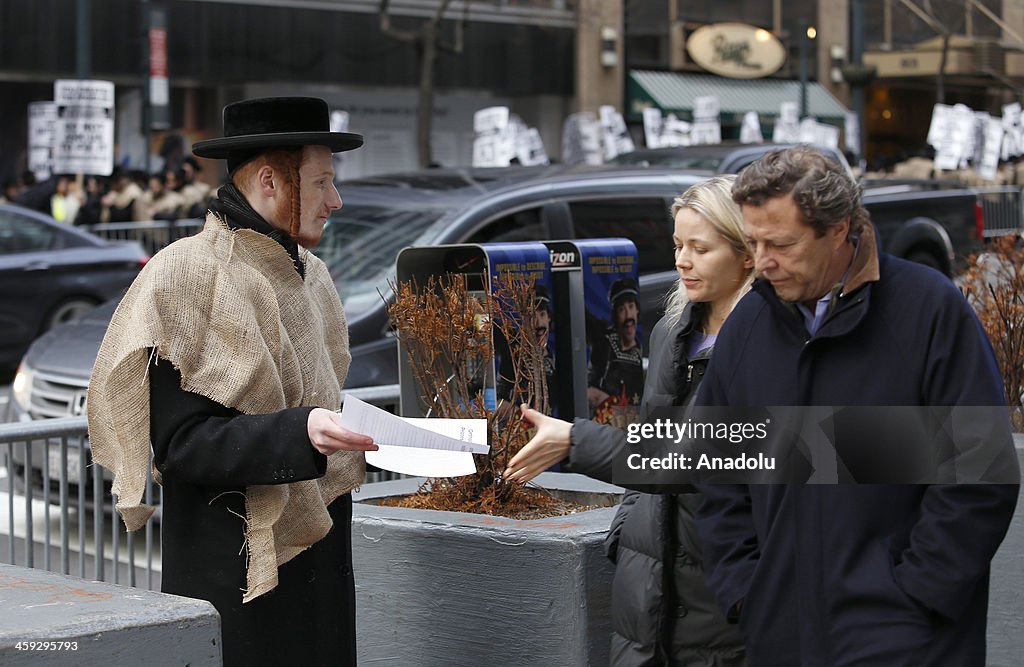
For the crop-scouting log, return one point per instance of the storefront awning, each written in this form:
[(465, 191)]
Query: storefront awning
[(674, 92)]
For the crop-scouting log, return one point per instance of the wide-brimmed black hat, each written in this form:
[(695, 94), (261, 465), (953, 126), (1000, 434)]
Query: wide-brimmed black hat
[(253, 126)]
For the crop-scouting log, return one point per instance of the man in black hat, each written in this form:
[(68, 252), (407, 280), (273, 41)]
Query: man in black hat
[(228, 353), (616, 360)]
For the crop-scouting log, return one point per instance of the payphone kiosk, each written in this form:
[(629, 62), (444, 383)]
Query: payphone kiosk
[(483, 265)]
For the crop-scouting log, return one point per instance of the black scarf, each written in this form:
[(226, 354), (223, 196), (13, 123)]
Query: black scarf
[(232, 207)]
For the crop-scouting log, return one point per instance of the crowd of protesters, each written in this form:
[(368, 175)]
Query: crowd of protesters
[(125, 196)]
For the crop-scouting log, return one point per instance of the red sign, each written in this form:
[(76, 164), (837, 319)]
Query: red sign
[(158, 52)]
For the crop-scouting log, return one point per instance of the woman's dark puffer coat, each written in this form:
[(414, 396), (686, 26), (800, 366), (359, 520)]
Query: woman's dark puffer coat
[(658, 619)]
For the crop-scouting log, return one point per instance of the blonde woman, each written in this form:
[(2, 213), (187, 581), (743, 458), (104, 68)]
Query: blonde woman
[(662, 613)]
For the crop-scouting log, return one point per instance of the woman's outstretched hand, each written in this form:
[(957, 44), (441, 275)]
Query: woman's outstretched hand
[(549, 446)]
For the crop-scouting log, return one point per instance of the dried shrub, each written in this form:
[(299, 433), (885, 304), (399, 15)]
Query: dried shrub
[(994, 285), (447, 333)]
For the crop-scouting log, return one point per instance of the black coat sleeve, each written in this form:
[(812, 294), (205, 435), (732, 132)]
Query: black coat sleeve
[(199, 441)]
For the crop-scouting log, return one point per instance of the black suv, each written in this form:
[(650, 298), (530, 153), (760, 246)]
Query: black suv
[(383, 214)]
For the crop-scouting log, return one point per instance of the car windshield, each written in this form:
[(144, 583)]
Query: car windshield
[(360, 245)]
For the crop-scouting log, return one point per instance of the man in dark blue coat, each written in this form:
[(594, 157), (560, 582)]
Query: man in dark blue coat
[(862, 574)]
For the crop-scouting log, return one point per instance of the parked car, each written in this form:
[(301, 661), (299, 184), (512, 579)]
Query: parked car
[(728, 157), (932, 222), (51, 273)]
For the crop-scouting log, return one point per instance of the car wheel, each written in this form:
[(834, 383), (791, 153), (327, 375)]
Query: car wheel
[(69, 310)]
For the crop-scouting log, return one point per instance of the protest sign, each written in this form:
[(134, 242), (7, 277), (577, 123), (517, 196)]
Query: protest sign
[(84, 128), (41, 118), (614, 135)]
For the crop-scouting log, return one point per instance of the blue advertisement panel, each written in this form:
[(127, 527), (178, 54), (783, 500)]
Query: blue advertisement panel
[(526, 262), (615, 341)]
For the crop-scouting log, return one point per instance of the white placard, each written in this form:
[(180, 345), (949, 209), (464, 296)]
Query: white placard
[(339, 121), (808, 131), (820, 134), (952, 135), (787, 125), (496, 129), (1013, 138), (83, 93), (581, 139), (706, 126), (828, 135), (939, 128), (675, 132), (706, 108), (491, 119), (706, 132), (852, 127), (993, 143), (530, 147), (41, 119), (615, 137), (750, 130), (84, 129), (965, 132), (652, 127), (789, 113)]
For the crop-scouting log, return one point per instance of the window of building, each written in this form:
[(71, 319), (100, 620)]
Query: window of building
[(753, 12)]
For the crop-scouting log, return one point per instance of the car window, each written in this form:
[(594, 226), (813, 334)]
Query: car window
[(360, 245), (23, 234), (520, 226), (645, 221)]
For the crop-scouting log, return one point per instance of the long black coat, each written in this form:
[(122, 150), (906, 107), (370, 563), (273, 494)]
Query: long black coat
[(207, 454), (858, 574)]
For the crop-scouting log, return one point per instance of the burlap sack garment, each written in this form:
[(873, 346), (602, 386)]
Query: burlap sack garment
[(228, 309)]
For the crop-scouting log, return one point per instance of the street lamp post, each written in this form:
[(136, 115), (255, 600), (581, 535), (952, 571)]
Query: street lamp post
[(807, 33), (857, 58), (83, 39)]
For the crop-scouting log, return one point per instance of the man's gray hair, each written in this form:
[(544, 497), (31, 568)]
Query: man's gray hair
[(822, 189)]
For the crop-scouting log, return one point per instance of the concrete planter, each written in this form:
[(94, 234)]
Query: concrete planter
[(450, 588)]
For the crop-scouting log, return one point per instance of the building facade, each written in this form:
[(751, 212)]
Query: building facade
[(524, 54), (901, 39)]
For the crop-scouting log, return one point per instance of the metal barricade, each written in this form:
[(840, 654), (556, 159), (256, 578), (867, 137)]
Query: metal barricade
[(59, 508), (1002, 209), (153, 235)]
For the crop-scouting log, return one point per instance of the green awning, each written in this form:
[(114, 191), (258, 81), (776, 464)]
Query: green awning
[(674, 92)]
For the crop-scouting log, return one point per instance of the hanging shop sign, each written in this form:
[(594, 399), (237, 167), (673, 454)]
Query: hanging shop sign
[(736, 50)]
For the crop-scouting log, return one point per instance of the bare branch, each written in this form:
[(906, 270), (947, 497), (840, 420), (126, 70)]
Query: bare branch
[(460, 30), (394, 33), (926, 16)]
